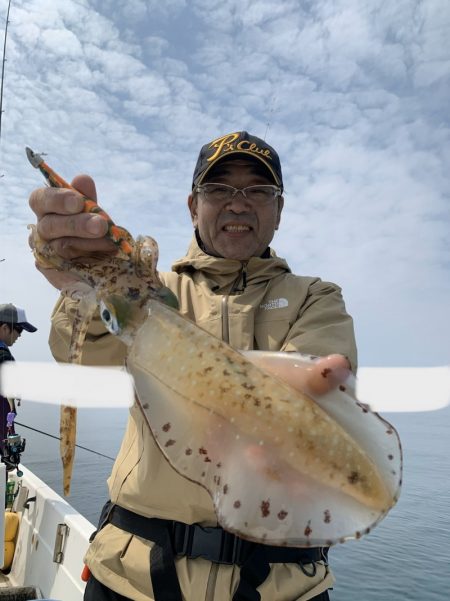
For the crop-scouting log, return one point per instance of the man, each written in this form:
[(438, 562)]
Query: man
[(235, 287), (12, 323)]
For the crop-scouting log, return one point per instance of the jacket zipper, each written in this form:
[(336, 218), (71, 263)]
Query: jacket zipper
[(212, 578), (234, 290), (225, 320)]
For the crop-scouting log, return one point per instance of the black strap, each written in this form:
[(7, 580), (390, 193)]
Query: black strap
[(253, 573), (322, 597), (172, 539), (213, 544), (163, 573)]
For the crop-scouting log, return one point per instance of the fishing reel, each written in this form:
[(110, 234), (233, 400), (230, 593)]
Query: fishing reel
[(13, 446)]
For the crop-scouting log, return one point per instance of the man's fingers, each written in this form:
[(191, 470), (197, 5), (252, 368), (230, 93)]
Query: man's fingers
[(83, 248), (59, 212), (71, 233), (62, 201), (77, 248), (86, 185), (81, 225), (326, 374)]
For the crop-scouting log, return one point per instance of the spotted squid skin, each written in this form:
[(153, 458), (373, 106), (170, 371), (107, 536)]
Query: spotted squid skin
[(278, 467), (266, 409)]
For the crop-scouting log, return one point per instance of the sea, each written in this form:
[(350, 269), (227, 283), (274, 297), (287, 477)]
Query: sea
[(406, 557)]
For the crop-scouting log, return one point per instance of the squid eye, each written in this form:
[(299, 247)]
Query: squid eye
[(109, 319)]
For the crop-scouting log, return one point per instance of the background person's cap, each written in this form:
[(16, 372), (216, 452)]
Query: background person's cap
[(238, 143), (15, 316)]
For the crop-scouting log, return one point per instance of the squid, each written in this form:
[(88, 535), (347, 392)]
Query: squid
[(281, 467)]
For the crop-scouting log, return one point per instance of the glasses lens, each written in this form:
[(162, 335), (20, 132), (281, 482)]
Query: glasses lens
[(261, 194), (18, 329), (217, 192)]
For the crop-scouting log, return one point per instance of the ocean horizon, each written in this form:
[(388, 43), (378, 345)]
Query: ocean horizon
[(406, 557)]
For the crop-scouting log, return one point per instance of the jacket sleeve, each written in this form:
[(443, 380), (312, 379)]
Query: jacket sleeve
[(323, 326), (100, 347)]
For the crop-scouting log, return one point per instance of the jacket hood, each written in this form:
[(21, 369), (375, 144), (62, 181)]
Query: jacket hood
[(223, 272)]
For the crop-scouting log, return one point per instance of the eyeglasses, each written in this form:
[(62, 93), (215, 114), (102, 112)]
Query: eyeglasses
[(18, 328), (260, 195)]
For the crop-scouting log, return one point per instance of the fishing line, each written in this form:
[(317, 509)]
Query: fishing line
[(79, 446), (269, 116)]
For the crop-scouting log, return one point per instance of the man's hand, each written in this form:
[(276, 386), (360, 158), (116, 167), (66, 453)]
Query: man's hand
[(71, 233), (321, 377), (318, 377)]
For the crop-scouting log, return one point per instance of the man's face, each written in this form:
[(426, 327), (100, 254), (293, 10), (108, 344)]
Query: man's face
[(237, 228), (8, 334)]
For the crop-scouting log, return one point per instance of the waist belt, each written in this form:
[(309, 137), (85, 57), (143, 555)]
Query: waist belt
[(172, 539)]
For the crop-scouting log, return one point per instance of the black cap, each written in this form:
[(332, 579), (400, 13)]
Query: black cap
[(13, 315), (238, 143)]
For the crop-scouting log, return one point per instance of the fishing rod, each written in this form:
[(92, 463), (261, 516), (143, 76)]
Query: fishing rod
[(3, 72), (3, 67)]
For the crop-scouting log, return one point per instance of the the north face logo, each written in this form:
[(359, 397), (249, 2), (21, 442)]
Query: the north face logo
[(276, 303)]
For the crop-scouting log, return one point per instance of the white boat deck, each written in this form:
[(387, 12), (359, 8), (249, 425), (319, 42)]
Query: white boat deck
[(37, 546)]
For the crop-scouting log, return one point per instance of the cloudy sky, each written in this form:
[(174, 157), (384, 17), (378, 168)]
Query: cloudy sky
[(353, 94)]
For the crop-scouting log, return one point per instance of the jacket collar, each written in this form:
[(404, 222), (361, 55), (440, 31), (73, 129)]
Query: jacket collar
[(4, 346), (222, 272)]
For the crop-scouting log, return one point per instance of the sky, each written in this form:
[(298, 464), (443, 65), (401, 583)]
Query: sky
[(353, 94)]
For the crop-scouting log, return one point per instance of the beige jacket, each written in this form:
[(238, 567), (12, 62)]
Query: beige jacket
[(258, 305)]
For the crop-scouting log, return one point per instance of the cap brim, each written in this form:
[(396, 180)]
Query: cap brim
[(235, 153), (27, 326)]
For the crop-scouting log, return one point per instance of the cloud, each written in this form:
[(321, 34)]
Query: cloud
[(353, 95)]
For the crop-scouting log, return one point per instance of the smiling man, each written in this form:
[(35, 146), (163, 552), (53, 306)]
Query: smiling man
[(159, 538), (237, 200)]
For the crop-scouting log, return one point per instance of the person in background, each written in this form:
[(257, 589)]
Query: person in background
[(158, 537), (12, 323)]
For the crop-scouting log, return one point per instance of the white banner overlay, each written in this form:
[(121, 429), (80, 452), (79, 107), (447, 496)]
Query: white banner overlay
[(393, 389), (67, 384), (385, 389)]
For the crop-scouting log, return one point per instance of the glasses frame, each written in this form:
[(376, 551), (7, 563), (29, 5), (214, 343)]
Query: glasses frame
[(276, 189), (17, 328)]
